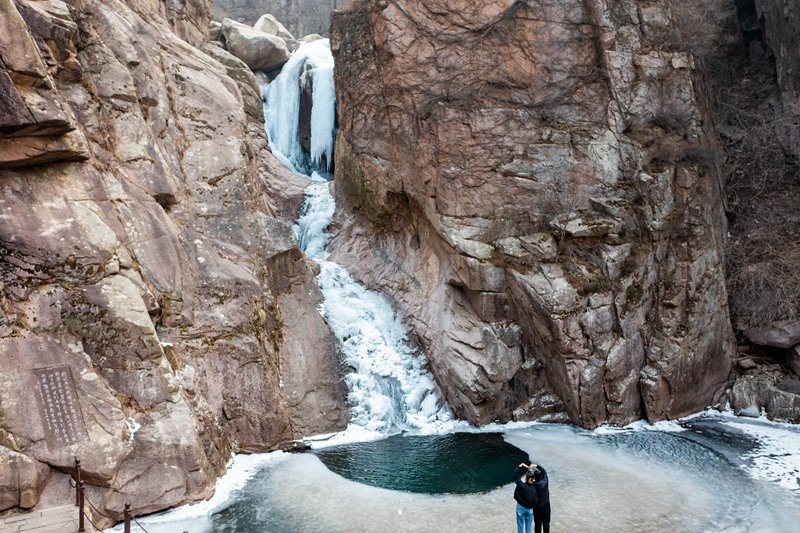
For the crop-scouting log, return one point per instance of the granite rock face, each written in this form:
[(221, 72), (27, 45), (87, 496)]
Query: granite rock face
[(35, 124), (141, 254), (526, 179)]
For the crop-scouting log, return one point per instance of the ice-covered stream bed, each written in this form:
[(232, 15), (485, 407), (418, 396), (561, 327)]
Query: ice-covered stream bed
[(712, 473)]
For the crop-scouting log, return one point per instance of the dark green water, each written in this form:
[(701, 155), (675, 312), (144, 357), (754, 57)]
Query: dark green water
[(458, 463)]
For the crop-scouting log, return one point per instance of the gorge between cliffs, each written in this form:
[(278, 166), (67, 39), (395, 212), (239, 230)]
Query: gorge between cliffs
[(559, 228)]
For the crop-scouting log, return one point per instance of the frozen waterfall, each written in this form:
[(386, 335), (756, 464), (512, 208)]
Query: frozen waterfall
[(311, 62), (389, 387)]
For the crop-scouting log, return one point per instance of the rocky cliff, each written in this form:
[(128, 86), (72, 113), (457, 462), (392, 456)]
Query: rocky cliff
[(532, 182), (301, 17), (155, 315)]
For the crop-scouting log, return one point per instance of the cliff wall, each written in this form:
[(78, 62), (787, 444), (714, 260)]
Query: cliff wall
[(531, 181), (142, 266)]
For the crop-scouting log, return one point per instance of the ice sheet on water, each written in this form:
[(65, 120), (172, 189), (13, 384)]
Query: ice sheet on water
[(664, 426), (595, 487), (776, 457), (241, 468)]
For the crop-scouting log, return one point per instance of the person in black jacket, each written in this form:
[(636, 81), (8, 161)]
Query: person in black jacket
[(526, 496), (541, 511)]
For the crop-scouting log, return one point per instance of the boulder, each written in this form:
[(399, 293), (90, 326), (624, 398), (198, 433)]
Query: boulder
[(258, 50), (752, 395), (300, 16), (269, 24), (783, 334), (22, 480)]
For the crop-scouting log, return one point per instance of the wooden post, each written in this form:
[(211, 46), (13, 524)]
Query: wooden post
[(81, 526), (77, 482), (127, 516)]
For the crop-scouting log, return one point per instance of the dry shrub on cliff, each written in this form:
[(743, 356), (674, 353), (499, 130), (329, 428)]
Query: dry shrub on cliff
[(698, 26), (762, 189), (762, 278), (700, 23)]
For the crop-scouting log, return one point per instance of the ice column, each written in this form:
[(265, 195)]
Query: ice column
[(282, 107)]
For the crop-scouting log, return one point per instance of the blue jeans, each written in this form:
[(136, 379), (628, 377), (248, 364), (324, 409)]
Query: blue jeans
[(524, 519)]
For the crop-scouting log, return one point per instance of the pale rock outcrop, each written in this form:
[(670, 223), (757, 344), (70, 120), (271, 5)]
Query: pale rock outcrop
[(523, 179), (258, 50), (269, 24), (244, 78), (301, 17), (153, 276)]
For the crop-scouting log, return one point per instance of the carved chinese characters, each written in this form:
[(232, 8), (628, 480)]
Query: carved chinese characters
[(58, 404)]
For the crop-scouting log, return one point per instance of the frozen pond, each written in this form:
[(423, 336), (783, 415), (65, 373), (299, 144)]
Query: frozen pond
[(707, 475)]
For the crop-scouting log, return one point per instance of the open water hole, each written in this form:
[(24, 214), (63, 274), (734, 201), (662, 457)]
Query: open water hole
[(620, 481), (456, 463)]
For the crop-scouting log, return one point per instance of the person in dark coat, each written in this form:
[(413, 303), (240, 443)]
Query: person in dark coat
[(526, 497), (541, 510)]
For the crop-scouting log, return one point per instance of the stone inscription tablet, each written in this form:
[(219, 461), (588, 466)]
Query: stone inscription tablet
[(58, 404)]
